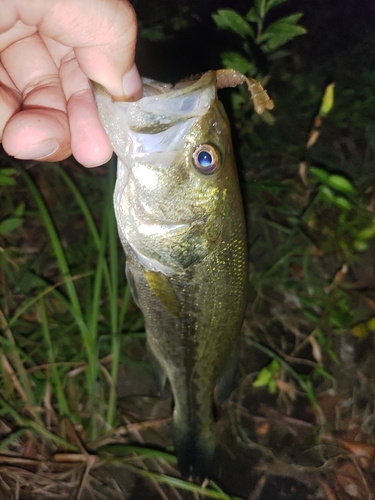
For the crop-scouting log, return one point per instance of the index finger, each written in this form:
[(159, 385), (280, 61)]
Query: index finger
[(102, 34)]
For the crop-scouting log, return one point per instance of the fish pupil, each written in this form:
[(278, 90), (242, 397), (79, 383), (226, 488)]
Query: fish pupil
[(204, 159)]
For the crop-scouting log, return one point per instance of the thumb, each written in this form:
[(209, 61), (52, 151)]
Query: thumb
[(103, 36), (111, 61)]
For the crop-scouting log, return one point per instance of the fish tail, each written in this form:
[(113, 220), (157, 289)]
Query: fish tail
[(194, 442)]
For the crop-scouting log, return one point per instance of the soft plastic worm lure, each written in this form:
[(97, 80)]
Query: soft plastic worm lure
[(231, 78)]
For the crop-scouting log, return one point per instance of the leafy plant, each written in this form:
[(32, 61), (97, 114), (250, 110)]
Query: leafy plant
[(268, 376), (253, 30), (260, 42)]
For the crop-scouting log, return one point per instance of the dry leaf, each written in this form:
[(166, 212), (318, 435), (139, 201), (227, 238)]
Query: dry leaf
[(365, 453), (287, 387), (316, 350), (329, 494), (351, 481)]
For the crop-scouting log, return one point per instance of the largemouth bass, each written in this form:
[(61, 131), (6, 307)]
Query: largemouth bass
[(181, 222)]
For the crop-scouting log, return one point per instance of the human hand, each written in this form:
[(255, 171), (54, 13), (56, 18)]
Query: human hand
[(49, 49)]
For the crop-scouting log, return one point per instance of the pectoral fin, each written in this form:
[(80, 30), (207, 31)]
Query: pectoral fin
[(162, 288)]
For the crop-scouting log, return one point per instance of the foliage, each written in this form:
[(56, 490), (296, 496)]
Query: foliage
[(251, 28), (268, 376), (260, 42)]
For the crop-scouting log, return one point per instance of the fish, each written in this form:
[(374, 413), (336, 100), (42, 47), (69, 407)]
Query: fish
[(181, 223)]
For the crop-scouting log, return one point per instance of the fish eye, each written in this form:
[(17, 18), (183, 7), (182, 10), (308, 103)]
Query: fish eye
[(206, 159)]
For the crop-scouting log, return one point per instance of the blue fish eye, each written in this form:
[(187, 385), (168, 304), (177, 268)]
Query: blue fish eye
[(206, 159)]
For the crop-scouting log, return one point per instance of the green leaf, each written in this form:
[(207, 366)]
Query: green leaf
[(253, 16), (290, 20), (229, 19), (281, 32), (272, 387), (6, 176), (320, 174), (234, 60), (263, 6), (273, 3), (263, 378), (327, 193), (8, 171), (6, 180), (360, 245), (267, 374), (20, 210), (342, 203), (260, 7), (341, 183), (367, 233), (328, 100), (9, 225)]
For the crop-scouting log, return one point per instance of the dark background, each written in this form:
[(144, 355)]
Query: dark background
[(333, 27)]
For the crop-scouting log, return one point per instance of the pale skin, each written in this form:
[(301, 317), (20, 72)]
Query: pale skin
[(49, 49)]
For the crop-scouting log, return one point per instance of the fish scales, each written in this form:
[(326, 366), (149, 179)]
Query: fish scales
[(181, 223)]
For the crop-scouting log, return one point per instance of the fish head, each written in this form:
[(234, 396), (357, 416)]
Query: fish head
[(175, 167)]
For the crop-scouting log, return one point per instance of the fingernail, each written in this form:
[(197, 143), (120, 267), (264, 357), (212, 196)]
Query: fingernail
[(93, 165), (132, 85), (38, 151)]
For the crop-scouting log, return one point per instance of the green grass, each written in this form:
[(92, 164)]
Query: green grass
[(82, 312)]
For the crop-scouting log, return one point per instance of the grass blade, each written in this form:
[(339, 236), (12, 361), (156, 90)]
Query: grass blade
[(61, 399)]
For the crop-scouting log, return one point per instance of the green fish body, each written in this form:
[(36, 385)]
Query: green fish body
[(181, 223)]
